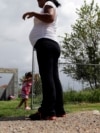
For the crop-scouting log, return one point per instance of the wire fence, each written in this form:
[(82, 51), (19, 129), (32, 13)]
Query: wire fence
[(79, 76), (72, 77)]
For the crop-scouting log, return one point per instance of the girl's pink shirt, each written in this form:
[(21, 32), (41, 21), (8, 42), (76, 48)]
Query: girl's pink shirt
[(26, 87)]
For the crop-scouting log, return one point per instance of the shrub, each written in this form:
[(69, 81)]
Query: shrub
[(91, 96)]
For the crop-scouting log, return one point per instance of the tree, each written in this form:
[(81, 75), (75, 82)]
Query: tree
[(37, 85), (81, 48)]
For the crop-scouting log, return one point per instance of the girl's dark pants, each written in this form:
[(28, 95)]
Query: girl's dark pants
[(48, 52)]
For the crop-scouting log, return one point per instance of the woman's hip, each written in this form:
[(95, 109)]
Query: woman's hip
[(46, 45)]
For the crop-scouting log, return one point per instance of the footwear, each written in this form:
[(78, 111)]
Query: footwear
[(61, 115), (39, 116), (51, 118), (36, 116), (60, 112), (27, 108)]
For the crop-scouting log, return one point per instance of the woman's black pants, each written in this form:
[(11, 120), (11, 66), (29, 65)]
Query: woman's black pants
[(48, 52)]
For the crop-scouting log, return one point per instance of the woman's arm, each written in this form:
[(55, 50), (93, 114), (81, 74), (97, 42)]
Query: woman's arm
[(47, 17)]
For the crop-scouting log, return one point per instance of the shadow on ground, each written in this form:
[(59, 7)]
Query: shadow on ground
[(14, 118)]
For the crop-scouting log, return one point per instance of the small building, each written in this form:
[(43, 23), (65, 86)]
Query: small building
[(12, 87), (2, 92)]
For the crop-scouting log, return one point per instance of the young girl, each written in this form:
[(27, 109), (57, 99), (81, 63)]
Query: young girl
[(26, 88)]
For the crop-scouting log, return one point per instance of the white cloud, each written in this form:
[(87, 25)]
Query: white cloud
[(15, 48)]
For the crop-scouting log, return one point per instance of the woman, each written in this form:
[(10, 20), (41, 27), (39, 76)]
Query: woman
[(44, 40)]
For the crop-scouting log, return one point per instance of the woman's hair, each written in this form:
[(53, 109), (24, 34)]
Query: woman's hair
[(55, 2)]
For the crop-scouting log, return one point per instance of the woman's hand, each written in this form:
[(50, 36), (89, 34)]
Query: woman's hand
[(28, 15)]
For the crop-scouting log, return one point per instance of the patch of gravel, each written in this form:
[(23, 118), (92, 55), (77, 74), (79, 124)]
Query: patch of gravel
[(80, 122)]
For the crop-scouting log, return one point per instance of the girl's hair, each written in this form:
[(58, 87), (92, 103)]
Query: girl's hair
[(28, 74), (55, 2)]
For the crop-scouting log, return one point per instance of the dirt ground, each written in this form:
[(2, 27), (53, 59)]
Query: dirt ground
[(79, 122)]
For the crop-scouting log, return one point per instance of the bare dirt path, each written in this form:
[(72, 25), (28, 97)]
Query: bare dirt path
[(80, 122)]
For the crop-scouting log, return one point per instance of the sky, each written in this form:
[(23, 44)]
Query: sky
[(15, 48)]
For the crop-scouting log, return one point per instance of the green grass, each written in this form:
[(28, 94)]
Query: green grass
[(82, 107), (8, 108)]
